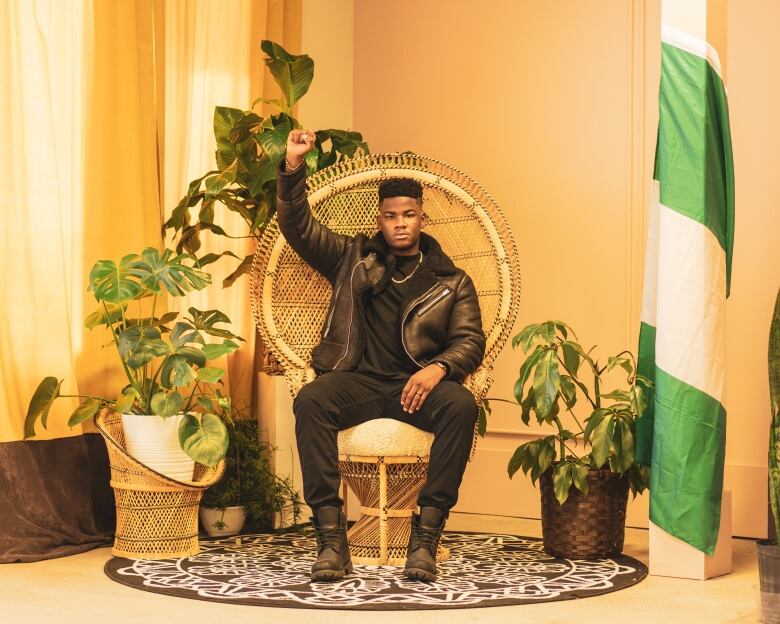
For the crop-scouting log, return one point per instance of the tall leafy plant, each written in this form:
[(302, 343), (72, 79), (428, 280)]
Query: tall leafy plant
[(774, 397), (249, 148), (553, 377), (164, 359)]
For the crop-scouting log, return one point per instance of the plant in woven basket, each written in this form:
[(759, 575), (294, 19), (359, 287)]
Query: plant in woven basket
[(768, 550), (556, 373), (164, 359), (249, 148), (249, 479)]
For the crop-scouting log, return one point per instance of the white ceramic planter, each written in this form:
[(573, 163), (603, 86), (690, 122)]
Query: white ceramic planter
[(233, 519), (154, 441)]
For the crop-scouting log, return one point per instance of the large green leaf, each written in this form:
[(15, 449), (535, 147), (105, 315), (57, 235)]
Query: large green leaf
[(213, 351), (169, 271), (571, 357), (205, 320), (547, 382), (525, 371), (205, 439), (347, 142), (177, 372), (167, 404), (601, 440), (85, 411), (40, 404), (580, 477), (562, 478), (116, 283), (111, 313), (260, 171), (484, 412), (215, 184), (244, 267), (185, 333), (273, 140), (525, 337), (210, 374), (225, 119), (124, 402), (293, 73)]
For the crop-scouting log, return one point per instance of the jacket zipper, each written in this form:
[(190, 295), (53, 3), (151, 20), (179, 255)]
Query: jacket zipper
[(403, 320), (330, 316), (439, 297), (349, 333)]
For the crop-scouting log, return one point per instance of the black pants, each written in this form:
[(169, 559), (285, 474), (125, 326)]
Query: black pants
[(338, 400)]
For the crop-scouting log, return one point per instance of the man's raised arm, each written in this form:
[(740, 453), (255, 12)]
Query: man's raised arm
[(318, 245)]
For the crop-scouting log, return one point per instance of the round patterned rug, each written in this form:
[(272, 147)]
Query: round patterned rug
[(484, 570)]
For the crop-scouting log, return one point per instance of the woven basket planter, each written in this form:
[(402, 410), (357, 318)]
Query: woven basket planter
[(585, 527), (156, 516)]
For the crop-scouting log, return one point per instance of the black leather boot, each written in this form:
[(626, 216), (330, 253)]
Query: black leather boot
[(423, 544), (333, 559)]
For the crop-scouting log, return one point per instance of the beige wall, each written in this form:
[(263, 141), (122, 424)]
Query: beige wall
[(549, 109), (553, 108)]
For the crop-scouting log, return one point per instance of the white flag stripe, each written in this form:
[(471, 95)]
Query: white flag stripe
[(651, 260), (694, 45), (691, 303)]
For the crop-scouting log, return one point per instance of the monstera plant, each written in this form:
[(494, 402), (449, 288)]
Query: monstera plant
[(249, 148), (164, 357)]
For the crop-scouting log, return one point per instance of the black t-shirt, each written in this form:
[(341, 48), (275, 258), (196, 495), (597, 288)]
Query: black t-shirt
[(384, 355)]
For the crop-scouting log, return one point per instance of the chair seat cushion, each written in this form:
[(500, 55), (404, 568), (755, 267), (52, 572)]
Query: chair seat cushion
[(385, 436)]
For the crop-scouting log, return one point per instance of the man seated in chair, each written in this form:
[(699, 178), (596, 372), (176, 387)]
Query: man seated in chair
[(402, 331)]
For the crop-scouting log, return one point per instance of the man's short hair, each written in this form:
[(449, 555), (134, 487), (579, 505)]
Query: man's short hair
[(395, 187)]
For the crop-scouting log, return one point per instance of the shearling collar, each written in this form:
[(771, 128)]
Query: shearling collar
[(434, 258), (435, 263)]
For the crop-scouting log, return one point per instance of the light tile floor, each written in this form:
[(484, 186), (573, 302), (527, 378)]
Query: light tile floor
[(75, 589)]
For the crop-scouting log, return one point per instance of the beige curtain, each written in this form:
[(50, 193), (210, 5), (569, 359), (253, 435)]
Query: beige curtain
[(80, 182), (107, 114), (213, 58)]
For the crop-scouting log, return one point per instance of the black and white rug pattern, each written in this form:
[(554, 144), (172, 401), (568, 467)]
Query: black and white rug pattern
[(484, 570)]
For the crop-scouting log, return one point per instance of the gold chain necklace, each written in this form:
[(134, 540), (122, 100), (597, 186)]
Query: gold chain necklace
[(401, 281)]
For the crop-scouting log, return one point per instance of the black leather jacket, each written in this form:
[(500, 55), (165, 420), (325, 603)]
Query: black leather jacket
[(440, 318)]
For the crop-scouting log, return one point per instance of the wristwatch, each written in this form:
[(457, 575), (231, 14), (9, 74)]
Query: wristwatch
[(442, 365)]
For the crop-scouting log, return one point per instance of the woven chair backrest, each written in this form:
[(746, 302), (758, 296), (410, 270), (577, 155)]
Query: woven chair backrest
[(290, 299)]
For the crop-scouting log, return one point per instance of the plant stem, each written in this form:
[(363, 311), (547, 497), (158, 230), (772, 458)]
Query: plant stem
[(130, 377), (192, 394), (577, 381)]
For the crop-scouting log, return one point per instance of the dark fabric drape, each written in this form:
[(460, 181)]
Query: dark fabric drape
[(55, 498)]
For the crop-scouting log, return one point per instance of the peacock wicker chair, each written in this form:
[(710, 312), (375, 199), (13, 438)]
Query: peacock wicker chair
[(385, 461)]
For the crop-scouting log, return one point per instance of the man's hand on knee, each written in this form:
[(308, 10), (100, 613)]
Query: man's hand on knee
[(419, 386)]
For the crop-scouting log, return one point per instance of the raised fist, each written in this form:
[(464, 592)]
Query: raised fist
[(299, 143)]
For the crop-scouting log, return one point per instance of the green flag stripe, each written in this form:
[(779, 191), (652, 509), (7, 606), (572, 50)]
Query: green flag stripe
[(694, 161), (643, 452), (688, 458)]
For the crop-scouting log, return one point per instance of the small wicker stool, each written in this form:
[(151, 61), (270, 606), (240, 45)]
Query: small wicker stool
[(385, 462), (156, 516)]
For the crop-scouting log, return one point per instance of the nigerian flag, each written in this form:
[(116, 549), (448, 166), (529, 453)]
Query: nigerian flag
[(682, 435)]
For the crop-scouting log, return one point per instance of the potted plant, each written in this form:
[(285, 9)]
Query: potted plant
[(249, 148), (249, 489), (768, 551), (585, 465), (168, 403)]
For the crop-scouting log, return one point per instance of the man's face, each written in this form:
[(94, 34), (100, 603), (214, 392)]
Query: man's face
[(399, 220)]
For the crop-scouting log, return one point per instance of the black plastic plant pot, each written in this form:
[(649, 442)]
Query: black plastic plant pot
[(769, 573)]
